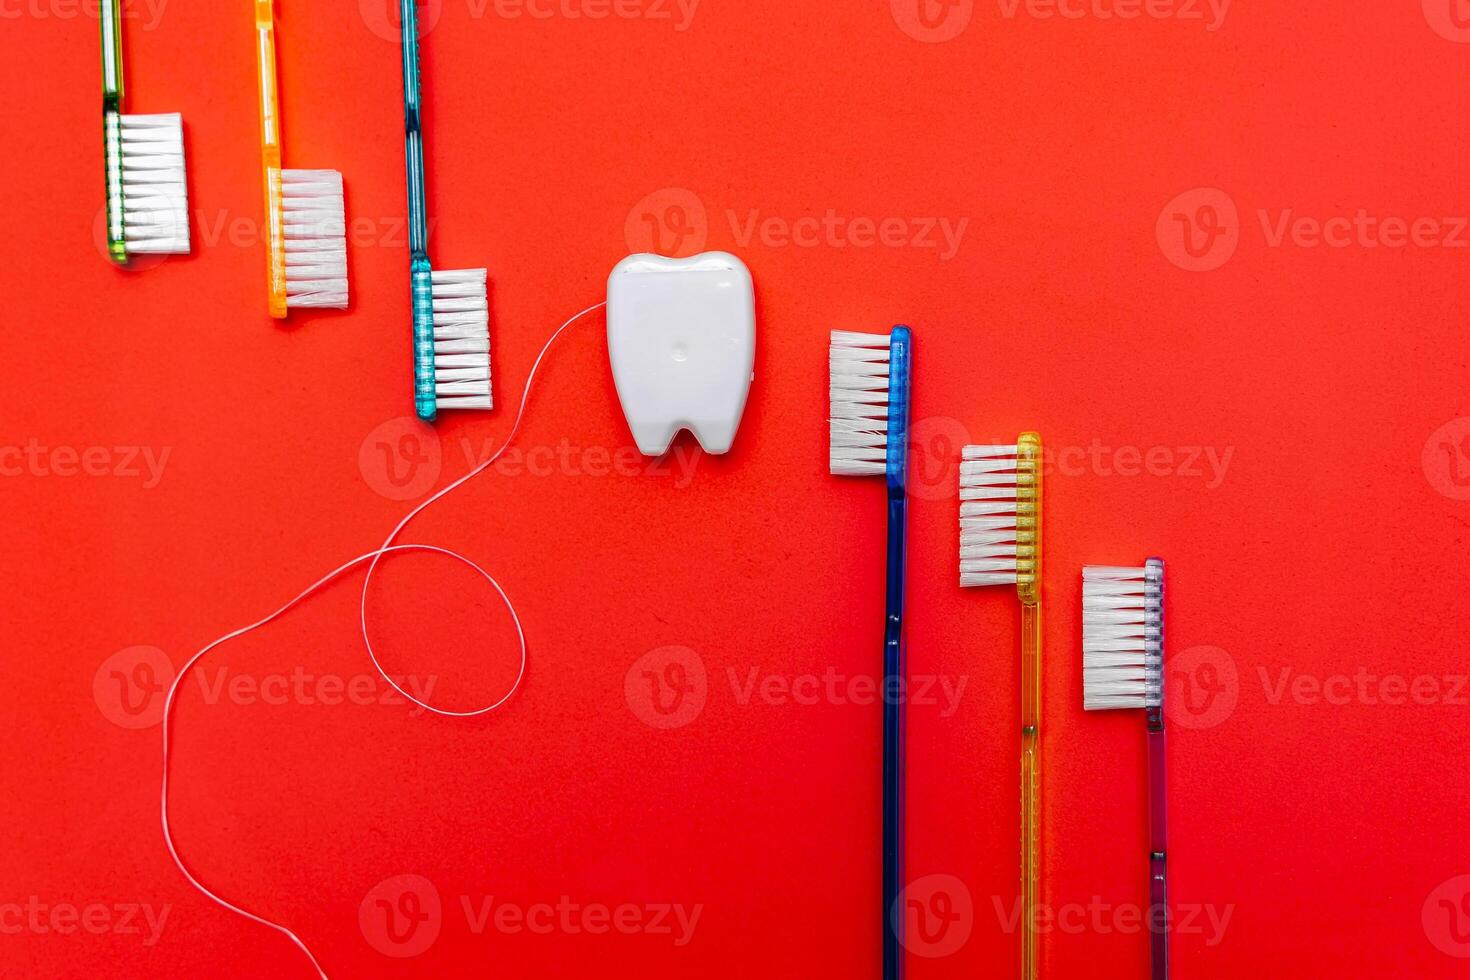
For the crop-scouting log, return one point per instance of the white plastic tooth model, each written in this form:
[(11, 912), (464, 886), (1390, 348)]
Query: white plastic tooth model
[(681, 338)]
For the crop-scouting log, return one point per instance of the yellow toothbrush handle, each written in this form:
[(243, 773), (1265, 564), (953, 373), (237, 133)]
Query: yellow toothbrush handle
[(270, 154), (1030, 782)]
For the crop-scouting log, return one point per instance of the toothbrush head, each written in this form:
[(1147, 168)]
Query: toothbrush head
[(461, 354), (1000, 516), (148, 197), (309, 255), (869, 401), (1123, 636)]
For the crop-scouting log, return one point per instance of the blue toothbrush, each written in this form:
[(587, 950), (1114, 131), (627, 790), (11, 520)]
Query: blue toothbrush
[(870, 380)]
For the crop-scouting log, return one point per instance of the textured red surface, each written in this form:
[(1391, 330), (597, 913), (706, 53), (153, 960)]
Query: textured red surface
[(1284, 423)]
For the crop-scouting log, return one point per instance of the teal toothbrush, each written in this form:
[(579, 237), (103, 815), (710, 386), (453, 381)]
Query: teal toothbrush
[(451, 310)]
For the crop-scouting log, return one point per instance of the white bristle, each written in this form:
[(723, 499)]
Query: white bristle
[(462, 339), (315, 239), (859, 403), (154, 186), (989, 481), (1122, 637)]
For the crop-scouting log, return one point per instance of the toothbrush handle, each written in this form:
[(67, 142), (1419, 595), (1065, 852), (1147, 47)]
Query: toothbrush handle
[(895, 669), (1157, 836), (112, 94), (1030, 782), (418, 222), (270, 155), (420, 272)]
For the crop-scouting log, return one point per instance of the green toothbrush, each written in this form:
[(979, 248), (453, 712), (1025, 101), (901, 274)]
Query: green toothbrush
[(147, 188)]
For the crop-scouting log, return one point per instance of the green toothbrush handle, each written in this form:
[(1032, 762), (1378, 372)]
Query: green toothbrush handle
[(420, 274), (112, 93)]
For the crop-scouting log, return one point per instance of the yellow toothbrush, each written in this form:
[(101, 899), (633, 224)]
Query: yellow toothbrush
[(1000, 544)]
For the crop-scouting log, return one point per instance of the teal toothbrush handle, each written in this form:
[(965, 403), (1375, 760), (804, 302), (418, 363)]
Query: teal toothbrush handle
[(112, 93), (420, 273)]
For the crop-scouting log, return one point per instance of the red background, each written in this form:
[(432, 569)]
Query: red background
[(1326, 548)]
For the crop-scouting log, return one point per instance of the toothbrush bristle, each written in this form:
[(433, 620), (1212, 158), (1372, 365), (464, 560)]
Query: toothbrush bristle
[(462, 339), (997, 516), (1122, 637), (154, 185), (859, 403), (315, 238)]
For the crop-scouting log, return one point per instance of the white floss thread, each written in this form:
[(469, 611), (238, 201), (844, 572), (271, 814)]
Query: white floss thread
[(374, 557)]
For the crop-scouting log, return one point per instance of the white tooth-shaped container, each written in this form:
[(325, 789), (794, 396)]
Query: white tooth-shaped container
[(681, 337)]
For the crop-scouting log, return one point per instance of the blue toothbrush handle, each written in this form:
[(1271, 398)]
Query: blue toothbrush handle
[(893, 744), (895, 654)]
